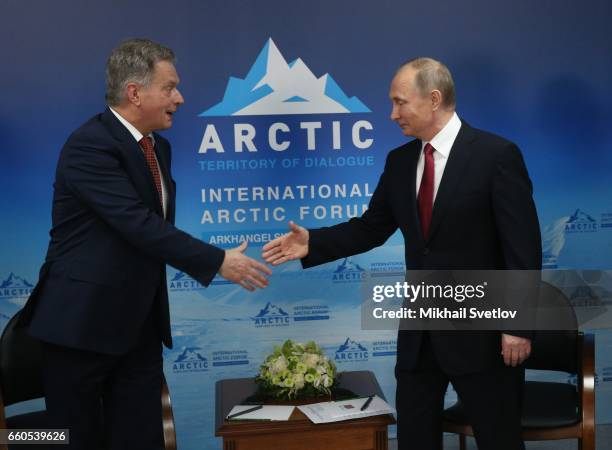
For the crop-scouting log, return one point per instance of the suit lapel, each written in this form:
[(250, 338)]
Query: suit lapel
[(457, 159), (135, 162)]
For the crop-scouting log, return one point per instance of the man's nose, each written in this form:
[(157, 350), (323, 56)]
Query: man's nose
[(394, 115), (179, 100)]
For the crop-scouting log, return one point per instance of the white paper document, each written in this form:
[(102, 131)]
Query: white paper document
[(345, 410), (266, 412)]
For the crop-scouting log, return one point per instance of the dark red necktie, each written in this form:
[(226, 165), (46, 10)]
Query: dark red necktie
[(426, 191), (147, 146)]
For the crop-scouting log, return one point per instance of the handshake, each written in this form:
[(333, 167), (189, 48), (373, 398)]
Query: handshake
[(250, 273)]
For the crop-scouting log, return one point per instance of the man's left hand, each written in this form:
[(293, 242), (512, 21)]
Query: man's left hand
[(515, 349)]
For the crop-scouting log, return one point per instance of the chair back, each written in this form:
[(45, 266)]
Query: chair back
[(555, 349), (20, 364)]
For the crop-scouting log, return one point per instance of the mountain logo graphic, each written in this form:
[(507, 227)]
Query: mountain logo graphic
[(15, 287), (190, 360), (348, 265), (351, 351), (583, 296), (581, 216), (271, 316), (348, 271), (580, 222), (271, 310), (274, 87), (14, 281), (183, 282), (178, 276), (351, 346), (190, 354)]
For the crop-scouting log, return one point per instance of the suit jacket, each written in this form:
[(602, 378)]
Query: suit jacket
[(105, 266), (483, 218)]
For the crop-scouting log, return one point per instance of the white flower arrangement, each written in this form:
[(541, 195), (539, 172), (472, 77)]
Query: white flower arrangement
[(297, 371)]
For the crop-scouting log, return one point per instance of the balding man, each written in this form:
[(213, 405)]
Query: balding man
[(462, 198)]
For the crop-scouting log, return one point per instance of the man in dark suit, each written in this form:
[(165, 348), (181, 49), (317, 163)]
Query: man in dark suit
[(462, 198), (100, 307)]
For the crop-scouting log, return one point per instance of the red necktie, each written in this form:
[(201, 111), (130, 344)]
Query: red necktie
[(426, 191), (147, 146)]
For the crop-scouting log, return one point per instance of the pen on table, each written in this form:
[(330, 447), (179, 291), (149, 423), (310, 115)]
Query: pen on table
[(255, 408), (367, 403)]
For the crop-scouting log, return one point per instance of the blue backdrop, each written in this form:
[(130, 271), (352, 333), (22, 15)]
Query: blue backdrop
[(537, 73)]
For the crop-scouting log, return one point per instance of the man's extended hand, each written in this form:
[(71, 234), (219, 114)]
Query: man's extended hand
[(515, 349), (289, 246), (243, 270)]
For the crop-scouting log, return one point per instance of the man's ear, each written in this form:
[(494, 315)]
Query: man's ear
[(133, 93), (436, 99)]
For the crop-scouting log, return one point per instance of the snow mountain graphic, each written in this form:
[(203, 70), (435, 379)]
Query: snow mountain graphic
[(271, 310), (351, 346), (274, 87), (580, 216), (190, 354), (14, 281), (348, 266)]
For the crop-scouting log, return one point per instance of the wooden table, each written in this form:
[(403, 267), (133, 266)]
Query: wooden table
[(299, 433)]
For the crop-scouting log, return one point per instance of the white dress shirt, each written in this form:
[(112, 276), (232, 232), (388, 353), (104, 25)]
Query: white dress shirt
[(442, 143), (138, 136)]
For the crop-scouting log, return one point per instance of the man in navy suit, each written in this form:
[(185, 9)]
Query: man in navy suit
[(462, 198), (100, 307)]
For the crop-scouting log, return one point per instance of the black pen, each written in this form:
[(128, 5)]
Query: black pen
[(367, 403), (255, 408)]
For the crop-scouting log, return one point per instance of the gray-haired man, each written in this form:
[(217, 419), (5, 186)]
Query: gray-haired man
[(101, 304)]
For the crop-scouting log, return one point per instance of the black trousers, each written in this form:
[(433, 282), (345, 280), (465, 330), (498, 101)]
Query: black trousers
[(107, 401), (491, 399)]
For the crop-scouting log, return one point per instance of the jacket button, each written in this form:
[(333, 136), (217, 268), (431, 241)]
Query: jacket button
[(426, 251)]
